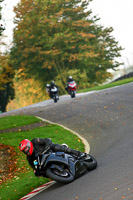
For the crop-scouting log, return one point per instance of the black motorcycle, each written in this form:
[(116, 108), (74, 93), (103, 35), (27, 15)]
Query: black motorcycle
[(62, 167), (54, 94)]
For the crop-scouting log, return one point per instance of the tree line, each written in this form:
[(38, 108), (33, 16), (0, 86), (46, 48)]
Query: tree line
[(53, 39), (6, 75)]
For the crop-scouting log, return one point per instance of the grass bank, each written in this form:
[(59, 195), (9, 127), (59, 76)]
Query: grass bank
[(16, 121), (109, 85), (22, 180)]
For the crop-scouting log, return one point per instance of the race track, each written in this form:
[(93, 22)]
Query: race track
[(105, 119)]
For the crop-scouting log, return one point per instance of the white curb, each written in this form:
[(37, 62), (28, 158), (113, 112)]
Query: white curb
[(37, 190)]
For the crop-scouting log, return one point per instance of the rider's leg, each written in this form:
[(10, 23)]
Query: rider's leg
[(63, 148)]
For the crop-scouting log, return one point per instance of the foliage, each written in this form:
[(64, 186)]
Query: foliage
[(27, 92), (6, 82), (58, 36)]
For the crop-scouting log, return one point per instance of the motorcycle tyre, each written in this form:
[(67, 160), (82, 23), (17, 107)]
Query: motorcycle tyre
[(55, 100), (72, 94), (91, 165), (59, 179)]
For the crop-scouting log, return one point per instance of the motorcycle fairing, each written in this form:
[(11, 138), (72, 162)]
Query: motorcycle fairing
[(60, 157), (75, 166), (72, 84), (80, 168), (54, 89)]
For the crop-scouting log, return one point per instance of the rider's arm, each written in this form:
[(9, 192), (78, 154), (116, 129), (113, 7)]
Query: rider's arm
[(31, 163), (42, 141), (45, 141)]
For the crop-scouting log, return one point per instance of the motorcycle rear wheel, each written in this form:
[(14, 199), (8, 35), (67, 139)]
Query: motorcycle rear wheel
[(61, 177)]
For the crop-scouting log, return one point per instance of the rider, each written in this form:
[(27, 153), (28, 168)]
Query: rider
[(70, 79), (53, 85), (37, 146)]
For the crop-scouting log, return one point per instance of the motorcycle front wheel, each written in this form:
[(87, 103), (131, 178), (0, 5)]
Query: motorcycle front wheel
[(91, 163), (72, 94), (55, 100), (60, 176)]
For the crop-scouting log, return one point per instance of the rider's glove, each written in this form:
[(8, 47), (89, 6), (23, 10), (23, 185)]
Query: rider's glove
[(35, 162), (36, 172)]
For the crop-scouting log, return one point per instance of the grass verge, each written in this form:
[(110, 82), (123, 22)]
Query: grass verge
[(109, 85), (16, 121), (23, 179)]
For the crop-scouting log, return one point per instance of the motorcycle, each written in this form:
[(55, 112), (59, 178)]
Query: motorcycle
[(54, 94), (62, 167), (72, 86)]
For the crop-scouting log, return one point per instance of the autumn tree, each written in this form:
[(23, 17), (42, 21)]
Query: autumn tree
[(6, 75), (54, 37), (6, 82)]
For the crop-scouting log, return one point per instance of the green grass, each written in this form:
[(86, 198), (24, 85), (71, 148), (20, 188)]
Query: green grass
[(16, 121), (20, 186), (24, 180), (109, 85)]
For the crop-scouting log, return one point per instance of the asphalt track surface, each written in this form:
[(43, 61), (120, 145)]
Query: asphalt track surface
[(105, 119)]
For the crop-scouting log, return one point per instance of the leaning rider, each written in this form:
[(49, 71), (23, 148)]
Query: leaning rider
[(37, 146)]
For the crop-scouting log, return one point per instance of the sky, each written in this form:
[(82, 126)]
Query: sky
[(119, 15), (112, 13)]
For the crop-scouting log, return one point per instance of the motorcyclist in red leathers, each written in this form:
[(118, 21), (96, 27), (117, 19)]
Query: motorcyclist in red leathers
[(37, 146), (70, 79)]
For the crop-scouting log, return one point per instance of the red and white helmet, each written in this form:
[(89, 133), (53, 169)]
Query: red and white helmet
[(26, 146)]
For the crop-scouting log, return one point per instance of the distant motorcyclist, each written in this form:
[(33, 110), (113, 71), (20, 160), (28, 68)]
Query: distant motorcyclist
[(37, 146), (71, 86), (70, 79), (51, 86)]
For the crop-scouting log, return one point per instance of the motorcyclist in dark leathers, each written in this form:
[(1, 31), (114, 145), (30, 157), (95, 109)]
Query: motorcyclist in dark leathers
[(51, 86), (37, 146)]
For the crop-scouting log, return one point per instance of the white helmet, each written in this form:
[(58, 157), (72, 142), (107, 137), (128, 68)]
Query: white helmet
[(47, 85), (70, 78)]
